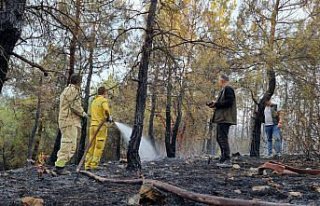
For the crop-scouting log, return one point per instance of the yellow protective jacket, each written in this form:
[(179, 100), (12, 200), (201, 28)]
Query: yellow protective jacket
[(71, 111), (100, 110)]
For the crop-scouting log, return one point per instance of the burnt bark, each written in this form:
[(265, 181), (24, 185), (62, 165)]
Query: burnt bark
[(74, 40), (84, 125), (134, 163), (11, 19), (259, 113), (168, 133), (37, 141), (172, 132), (72, 53), (176, 126), (4, 160), (56, 148), (36, 123), (152, 114)]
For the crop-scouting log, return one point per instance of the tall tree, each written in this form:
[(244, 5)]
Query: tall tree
[(176, 126), (84, 125), (153, 109), (259, 113), (36, 122), (75, 28), (10, 31), (133, 157), (168, 134)]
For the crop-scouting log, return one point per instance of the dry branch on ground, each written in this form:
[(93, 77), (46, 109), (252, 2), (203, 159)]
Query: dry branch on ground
[(207, 199)]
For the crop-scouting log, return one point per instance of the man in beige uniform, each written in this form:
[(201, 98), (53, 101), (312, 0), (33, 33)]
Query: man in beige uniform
[(70, 114)]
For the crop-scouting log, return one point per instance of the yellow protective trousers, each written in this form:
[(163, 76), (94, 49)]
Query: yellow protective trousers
[(69, 137), (96, 149)]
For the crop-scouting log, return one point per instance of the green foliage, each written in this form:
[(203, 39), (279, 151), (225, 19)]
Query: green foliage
[(16, 121), (13, 136), (196, 40)]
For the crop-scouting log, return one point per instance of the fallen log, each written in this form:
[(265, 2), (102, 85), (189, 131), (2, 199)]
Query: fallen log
[(280, 169), (103, 179), (197, 197)]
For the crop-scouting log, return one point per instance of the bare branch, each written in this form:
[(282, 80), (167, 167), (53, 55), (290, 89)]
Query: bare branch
[(45, 72)]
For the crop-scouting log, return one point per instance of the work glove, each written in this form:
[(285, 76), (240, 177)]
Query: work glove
[(109, 119), (210, 104), (85, 115)]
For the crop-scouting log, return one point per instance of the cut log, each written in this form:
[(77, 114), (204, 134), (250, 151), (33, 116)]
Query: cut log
[(31, 201), (197, 197), (150, 195)]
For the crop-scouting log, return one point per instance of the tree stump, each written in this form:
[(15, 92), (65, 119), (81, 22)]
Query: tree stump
[(150, 195)]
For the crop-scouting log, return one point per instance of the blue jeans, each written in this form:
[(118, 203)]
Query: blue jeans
[(274, 131)]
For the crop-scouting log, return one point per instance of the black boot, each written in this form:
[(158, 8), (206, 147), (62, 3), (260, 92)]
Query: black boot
[(61, 171), (222, 159)]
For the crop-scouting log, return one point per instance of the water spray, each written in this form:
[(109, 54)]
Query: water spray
[(146, 151)]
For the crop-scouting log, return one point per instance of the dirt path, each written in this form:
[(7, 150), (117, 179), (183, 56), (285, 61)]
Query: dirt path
[(192, 174)]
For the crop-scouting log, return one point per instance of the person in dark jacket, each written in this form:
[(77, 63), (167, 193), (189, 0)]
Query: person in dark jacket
[(225, 115)]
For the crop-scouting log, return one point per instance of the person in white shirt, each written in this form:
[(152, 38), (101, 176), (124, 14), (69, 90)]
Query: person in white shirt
[(273, 123)]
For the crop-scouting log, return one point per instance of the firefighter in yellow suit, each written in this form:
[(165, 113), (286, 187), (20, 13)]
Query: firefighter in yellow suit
[(70, 114), (100, 112)]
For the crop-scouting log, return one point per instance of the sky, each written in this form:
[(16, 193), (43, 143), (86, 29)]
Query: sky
[(137, 5), (97, 79)]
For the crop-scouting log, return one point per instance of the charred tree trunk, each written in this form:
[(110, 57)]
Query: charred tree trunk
[(133, 157), (176, 126), (72, 53), (309, 141), (175, 129), (74, 40), (4, 160), (38, 141), (36, 123), (84, 125), (259, 113), (11, 18), (56, 148), (152, 114), (168, 133)]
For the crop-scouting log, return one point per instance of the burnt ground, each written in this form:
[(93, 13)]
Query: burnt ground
[(192, 174)]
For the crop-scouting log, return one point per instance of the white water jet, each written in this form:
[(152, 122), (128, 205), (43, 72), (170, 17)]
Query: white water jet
[(146, 150)]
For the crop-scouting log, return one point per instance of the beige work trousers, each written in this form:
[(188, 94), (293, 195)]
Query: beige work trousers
[(70, 135)]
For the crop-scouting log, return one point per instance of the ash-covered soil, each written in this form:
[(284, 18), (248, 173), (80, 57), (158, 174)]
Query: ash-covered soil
[(192, 174)]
